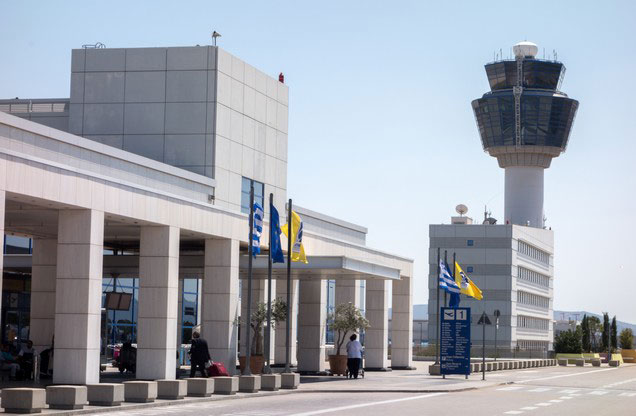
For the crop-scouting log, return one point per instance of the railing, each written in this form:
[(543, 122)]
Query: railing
[(35, 106)]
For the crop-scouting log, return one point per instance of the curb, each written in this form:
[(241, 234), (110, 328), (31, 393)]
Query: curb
[(164, 403)]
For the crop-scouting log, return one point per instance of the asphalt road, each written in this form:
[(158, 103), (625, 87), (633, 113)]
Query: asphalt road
[(545, 391)]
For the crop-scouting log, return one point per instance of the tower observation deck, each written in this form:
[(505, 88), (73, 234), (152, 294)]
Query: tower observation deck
[(524, 121)]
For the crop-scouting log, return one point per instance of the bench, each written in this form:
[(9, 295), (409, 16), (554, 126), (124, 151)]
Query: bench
[(105, 394), (23, 400), (226, 385), (172, 389), (200, 387), (140, 391), (66, 397)]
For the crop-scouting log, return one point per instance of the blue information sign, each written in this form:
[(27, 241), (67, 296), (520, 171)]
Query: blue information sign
[(455, 341)]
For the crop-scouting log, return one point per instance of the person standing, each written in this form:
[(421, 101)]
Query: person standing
[(26, 356), (199, 355), (354, 356)]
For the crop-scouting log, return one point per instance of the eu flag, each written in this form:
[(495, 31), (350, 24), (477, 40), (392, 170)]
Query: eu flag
[(274, 237)]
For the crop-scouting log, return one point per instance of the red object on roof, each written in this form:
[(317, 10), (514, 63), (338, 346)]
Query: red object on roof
[(281, 78)]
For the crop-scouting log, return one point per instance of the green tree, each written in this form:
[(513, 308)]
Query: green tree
[(606, 332), (613, 334), (627, 339), (259, 319), (569, 342), (586, 340), (346, 318), (594, 324)]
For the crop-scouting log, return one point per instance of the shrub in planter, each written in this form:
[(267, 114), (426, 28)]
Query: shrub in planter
[(259, 318)]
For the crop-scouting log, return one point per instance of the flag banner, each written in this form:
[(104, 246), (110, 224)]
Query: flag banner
[(446, 281), (466, 285), (454, 300), (274, 237), (298, 250), (257, 229)]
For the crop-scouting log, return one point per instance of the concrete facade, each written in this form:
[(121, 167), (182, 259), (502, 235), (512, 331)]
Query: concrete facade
[(513, 266), (174, 216)]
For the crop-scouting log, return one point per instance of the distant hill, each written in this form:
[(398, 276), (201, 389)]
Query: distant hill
[(578, 315)]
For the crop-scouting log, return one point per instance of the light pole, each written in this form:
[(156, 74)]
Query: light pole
[(497, 313)]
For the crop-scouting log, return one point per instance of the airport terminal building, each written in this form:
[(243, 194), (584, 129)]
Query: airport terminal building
[(139, 183)]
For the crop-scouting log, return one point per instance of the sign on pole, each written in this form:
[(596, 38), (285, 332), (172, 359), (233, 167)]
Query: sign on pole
[(455, 341)]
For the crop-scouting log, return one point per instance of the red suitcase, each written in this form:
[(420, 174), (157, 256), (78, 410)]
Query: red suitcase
[(217, 370)]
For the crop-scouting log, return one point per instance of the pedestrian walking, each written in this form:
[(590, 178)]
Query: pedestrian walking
[(354, 356), (199, 355)]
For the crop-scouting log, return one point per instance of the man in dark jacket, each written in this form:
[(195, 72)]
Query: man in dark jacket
[(199, 355)]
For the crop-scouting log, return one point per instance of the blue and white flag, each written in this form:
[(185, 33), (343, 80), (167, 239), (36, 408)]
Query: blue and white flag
[(257, 229), (446, 280), (274, 236)]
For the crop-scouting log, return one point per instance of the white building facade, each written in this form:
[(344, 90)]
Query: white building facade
[(149, 182)]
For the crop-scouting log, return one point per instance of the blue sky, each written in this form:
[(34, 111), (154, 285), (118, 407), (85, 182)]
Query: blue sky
[(381, 129)]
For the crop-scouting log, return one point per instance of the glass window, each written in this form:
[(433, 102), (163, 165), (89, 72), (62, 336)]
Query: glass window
[(14, 244), (259, 192), (470, 243), (469, 269)]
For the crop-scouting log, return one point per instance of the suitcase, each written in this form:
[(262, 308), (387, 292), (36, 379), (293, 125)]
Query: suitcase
[(217, 370)]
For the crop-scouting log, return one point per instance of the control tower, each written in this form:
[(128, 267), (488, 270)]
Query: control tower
[(524, 121)]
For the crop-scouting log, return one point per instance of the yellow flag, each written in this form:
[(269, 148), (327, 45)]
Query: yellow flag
[(298, 251), (467, 287)]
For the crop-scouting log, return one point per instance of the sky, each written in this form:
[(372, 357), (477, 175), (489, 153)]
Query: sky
[(381, 131)]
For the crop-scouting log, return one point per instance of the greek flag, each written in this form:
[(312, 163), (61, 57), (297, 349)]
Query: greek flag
[(258, 229), (446, 281)]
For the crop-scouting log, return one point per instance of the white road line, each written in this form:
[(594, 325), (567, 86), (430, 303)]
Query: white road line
[(513, 412), (619, 383), (569, 391), (598, 392), (627, 394), (543, 404), (356, 406), (511, 388), (566, 397), (582, 373), (555, 401), (540, 390), (529, 408)]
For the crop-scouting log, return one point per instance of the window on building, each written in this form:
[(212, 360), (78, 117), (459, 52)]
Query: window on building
[(470, 243), (331, 305), (469, 269), (259, 194), (189, 312), (14, 244)]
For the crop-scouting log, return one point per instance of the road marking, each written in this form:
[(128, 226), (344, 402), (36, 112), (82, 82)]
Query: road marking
[(575, 394), (513, 412), (543, 404), (568, 375), (555, 401), (619, 383), (598, 392), (510, 388), (628, 394), (566, 397), (356, 406), (569, 391), (540, 390), (529, 408)]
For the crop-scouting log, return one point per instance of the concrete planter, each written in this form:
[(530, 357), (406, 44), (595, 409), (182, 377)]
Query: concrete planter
[(200, 387), (23, 400), (66, 397), (289, 381), (105, 394), (338, 364), (257, 362), (140, 391)]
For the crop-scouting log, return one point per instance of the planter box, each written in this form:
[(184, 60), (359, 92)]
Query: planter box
[(338, 364)]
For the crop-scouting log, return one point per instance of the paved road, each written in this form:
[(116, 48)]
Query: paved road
[(545, 391)]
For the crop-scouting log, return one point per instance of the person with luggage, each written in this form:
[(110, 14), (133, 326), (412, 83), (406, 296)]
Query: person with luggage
[(199, 355), (354, 356)]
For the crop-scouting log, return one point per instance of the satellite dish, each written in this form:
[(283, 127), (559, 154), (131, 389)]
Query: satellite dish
[(461, 209), (490, 220)]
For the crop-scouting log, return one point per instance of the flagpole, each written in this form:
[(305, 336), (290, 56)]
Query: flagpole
[(439, 272), (268, 333), (289, 249), (455, 280), (248, 321), (446, 262)]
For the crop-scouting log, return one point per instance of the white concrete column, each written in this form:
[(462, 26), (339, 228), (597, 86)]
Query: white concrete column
[(402, 324), (43, 272), (259, 294), (281, 327), (2, 209), (312, 320), (158, 302), (376, 338), (179, 320), (220, 300), (78, 296)]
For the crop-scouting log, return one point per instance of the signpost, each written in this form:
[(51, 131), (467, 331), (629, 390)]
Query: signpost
[(455, 341), (484, 320)]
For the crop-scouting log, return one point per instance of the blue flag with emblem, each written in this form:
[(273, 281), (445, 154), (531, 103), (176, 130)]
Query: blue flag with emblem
[(257, 229), (274, 236)]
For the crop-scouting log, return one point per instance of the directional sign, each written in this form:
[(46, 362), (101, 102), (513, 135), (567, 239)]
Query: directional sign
[(455, 341), (484, 320)]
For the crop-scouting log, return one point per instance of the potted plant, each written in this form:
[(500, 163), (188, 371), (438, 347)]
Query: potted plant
[(259, 318), (345, 319)]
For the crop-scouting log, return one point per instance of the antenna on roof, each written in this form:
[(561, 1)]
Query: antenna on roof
[(97, 45)]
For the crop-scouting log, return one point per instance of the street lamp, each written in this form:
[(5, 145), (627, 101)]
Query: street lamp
[(497, 313)]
